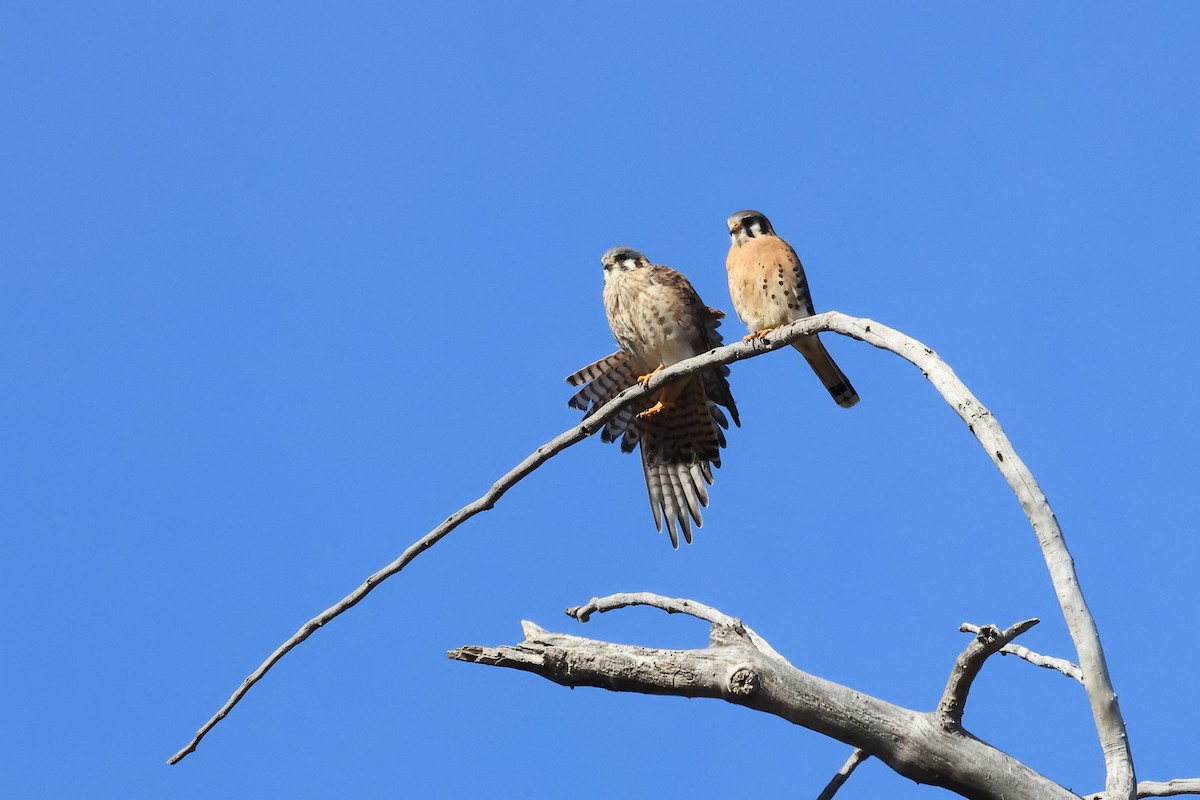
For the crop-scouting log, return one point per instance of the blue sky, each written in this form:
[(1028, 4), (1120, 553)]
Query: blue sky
[(286, 284)]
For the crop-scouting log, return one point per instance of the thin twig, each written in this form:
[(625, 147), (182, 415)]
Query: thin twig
[(671, 605), (1037, 659), (857, 757), (1160, 788), (987, 642)]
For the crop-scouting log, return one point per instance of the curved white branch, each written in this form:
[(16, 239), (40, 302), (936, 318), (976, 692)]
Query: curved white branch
[(1120, 781), (1110, 725)]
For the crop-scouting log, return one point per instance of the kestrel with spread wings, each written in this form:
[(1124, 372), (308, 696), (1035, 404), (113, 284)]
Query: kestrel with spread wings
[(659, 320), (768, 289)]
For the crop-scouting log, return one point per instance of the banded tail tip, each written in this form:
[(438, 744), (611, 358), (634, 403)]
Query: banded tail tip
[(844, 395)]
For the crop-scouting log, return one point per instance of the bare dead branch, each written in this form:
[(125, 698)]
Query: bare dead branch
[(857, 757), (484, 503), (987, 642), (1037, 659), (734, 669), (671, 605), (1160, 788), (722, 355), (1120, 782)]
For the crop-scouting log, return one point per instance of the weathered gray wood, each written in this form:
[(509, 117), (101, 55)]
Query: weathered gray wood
[(989, 641), (1106, 712), (1037, 659), (732, 668), (1169, 788), (857, 757)]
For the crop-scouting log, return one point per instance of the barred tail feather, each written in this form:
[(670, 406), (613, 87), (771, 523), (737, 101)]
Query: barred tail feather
[(677, 493), (680, 446), (596, 369), (602, 381)]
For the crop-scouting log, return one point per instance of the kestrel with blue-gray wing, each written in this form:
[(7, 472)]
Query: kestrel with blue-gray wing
[(768, 289), (659, 320)]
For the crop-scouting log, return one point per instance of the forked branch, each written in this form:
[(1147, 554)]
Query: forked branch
[(735, 667), (1037, 659), (988, 641)]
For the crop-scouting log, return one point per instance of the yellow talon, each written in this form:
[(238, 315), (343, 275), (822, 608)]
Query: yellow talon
[(644, 380), (657, 408), (757, 334)]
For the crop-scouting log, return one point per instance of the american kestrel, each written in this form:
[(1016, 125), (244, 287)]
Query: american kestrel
[(659, 320), (768, 289)]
